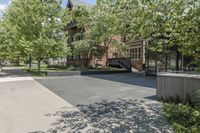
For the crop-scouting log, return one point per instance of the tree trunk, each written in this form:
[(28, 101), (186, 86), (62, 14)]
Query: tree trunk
[(30, 62), (177, 61), (107, 56), (88, 58), (107, 45), (58, 62), (39, 65), (1, 65), (18, 61)]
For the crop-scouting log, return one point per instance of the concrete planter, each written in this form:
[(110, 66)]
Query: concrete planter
[(72, 73), (102, 72), (63, 73), (171, 85)]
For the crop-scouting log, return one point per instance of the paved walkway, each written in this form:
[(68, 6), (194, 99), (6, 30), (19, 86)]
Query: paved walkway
[(25, 105), (100, 103)]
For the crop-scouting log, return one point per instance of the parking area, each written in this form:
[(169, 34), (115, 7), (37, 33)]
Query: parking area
[(95, 103), (95, 88), (108, 103)]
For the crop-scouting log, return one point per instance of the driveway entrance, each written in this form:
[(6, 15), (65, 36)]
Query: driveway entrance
[(115, 103), (94, 88)]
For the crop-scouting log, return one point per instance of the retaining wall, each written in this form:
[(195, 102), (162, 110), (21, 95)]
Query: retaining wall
[(182, 85)]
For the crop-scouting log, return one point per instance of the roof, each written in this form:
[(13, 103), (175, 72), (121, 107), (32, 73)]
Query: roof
[(69, 4)]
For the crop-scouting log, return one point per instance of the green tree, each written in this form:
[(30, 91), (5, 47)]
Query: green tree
[(175, 23), (166, 23), (3, 49), (105, 26), (39, 29), (7, 48), (189, 30), (88, 46)]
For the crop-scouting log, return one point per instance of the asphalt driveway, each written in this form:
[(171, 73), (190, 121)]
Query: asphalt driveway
[(95, 88), (115, 103)]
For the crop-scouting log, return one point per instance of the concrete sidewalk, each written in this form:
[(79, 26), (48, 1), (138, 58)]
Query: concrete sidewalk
[(24, 105)]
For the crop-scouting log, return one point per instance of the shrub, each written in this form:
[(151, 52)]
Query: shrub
[(184, 118)]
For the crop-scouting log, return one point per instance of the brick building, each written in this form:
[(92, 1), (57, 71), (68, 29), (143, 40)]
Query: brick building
[(150, 62), (136, 51), (76, 34), (138, 56)]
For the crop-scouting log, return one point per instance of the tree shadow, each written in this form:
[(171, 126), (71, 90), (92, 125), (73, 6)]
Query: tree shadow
[(121, 116), (36, 132), (129, 78), (153, 97)]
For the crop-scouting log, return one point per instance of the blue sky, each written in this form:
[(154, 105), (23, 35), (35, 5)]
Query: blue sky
[(90, 1), (5, 3)]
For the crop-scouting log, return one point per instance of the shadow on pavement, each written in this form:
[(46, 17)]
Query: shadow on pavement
[(153, 98), (129, 78), (113, 116)]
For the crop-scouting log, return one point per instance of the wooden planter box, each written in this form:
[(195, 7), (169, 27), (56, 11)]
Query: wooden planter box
[(184, 86)]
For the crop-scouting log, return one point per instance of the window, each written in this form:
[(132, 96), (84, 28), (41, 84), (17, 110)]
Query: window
[(81, 35), (136, 53), (139, 53), (115, 55), (132, 53)]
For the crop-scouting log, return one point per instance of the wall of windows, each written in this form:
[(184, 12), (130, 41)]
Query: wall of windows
[(136, 53)]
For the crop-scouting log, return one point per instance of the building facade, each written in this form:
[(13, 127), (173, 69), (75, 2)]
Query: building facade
[(151, 62), (136, 51), (138, 55), (76, 33)]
